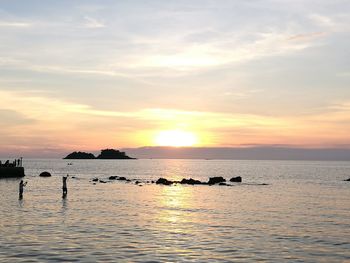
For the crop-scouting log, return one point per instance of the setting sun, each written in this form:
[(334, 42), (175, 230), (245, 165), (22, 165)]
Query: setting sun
[(176, 138)]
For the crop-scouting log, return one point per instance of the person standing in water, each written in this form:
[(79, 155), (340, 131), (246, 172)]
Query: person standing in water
[(21, 188), (64, 187)]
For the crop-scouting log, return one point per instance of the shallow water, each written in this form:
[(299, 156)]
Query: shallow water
[(303, 215)]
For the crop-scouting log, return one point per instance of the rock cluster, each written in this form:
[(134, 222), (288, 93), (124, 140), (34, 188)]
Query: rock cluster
[(218, 180), (212, 181)]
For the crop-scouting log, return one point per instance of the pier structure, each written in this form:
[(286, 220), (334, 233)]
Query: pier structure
[(12, 169)]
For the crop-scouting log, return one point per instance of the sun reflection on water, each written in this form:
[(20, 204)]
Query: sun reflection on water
[(175, 202)]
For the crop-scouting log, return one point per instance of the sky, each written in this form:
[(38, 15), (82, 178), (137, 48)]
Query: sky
[(86, 75)]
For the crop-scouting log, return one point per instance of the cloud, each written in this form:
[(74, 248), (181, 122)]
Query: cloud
[(93, 23), (11, 118), (322, 20), (307, 37), (63, 124), (15, 24)]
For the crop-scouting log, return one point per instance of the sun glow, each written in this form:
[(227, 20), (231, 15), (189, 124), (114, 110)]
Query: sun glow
[(176, 138)]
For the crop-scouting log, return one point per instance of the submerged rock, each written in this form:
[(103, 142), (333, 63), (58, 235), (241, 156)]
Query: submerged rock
[(164, 181), (190, 181), (216, 180), (114, 177), (45, 174), (237, 179), (101, 181)]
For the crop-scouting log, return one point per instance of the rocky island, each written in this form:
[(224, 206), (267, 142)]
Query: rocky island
[(105, 154), (80, 155)]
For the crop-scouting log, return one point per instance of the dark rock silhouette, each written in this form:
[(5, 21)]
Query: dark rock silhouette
[(80, 155), (122, 178), (190, 181), (237, 179), (112, 154), (95, 179), (11, 172), (347, 180), (45, 174), (164, 181), (216, 180), (105, 154)]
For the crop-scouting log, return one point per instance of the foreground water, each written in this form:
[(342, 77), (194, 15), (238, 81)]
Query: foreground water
[(303, 215)]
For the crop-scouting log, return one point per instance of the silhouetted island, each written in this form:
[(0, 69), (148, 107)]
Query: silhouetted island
[(112, 154), (80, 155), (105, 154)]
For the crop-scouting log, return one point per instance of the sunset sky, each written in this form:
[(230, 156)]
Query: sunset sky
[(85, 75)]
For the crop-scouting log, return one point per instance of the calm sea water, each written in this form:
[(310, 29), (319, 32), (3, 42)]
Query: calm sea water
[(303, 215)]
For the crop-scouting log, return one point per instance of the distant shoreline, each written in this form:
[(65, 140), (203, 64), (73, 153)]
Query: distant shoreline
[(214, 153)]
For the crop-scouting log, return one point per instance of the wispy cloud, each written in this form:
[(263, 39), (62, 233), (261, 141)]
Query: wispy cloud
[(307, 36), (93, 23), (15, 24)]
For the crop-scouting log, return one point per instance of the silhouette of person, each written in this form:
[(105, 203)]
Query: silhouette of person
[(64, 187), (21, 188)]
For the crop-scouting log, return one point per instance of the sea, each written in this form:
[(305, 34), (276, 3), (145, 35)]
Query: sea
[(301, 215)]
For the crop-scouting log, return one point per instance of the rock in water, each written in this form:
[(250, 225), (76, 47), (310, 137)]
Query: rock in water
[(163, 181), (122, 178), (216, 180), (237, 179), (113, 177), (190, 181), (45, 174), (347, 180)]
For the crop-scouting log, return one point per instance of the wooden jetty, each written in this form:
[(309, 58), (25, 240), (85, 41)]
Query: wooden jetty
[(12, 169)]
